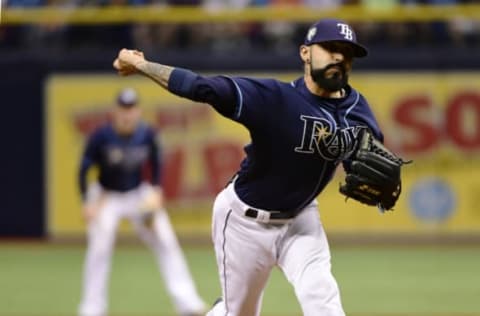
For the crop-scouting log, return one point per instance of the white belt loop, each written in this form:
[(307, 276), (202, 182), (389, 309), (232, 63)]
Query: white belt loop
[(263, 216)]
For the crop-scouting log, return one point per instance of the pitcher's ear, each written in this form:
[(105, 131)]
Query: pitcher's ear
[(305, 53)]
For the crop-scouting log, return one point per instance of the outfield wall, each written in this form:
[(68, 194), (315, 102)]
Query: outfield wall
[(432, 118)]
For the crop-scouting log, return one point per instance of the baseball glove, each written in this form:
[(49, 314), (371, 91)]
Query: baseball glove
[(374, 175)]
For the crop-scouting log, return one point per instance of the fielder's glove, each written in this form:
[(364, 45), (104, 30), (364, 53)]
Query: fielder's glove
[(374, 175)]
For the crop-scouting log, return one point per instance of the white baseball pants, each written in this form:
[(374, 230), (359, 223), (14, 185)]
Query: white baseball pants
[(160, 238), (247, 250)]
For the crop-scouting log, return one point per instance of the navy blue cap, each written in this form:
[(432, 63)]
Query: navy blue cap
[(127, 98), (328, 30)]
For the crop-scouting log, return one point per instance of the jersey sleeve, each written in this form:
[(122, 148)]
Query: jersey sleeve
[(257, 98), (218, 91), (89, 158), (244, 100)]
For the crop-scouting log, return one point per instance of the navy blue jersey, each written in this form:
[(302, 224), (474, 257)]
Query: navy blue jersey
[(297, 138), (121, 159)]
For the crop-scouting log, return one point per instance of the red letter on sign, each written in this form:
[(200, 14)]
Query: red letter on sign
[(407, 114), (463, 120)]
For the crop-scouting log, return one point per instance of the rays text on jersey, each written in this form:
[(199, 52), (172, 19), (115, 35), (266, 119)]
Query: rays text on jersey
[(325, 138)]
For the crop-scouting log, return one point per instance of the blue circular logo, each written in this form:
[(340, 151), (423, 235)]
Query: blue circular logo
[(432, 200)]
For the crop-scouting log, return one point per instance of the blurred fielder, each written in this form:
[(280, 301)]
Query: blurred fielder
[(300, 132), (120, 150)]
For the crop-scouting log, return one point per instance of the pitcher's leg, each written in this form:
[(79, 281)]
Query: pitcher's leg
[(172, 264), (244, 262), (100, 239), (305, 260)]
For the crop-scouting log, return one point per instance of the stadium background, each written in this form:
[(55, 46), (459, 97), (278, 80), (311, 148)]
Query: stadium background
[(422, 79)]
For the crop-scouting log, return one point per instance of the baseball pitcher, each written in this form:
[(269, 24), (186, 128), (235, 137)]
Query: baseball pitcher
[(267, 216)]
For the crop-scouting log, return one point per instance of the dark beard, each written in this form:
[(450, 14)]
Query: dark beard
[(336, 82)]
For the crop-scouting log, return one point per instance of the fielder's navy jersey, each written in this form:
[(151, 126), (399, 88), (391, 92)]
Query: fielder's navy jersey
[(297, 138), (121, 159)]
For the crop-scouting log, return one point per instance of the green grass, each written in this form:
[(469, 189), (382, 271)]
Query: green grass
[(410, 281), (43, 279)]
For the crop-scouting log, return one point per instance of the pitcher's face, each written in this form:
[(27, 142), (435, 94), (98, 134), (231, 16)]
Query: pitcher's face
[(328, 63)]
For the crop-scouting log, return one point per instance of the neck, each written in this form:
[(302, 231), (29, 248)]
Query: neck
[(123, 131)]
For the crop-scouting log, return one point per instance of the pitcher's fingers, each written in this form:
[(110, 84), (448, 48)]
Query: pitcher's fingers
[(116, 64)]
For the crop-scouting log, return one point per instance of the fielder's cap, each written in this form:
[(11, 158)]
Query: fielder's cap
[(127, 98), (328, 30)]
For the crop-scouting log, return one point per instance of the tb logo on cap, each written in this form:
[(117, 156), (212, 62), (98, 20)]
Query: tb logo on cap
[(311, 33), (346, 31)]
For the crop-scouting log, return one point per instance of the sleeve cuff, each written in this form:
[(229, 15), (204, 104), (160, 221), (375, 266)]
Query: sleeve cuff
[(181, 82)]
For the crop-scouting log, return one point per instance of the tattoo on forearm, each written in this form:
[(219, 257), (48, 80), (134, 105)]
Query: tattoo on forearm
[(157, 72)]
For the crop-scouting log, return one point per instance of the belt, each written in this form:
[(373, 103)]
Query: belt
[(268, 216), (262, 216), (271, 214)]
